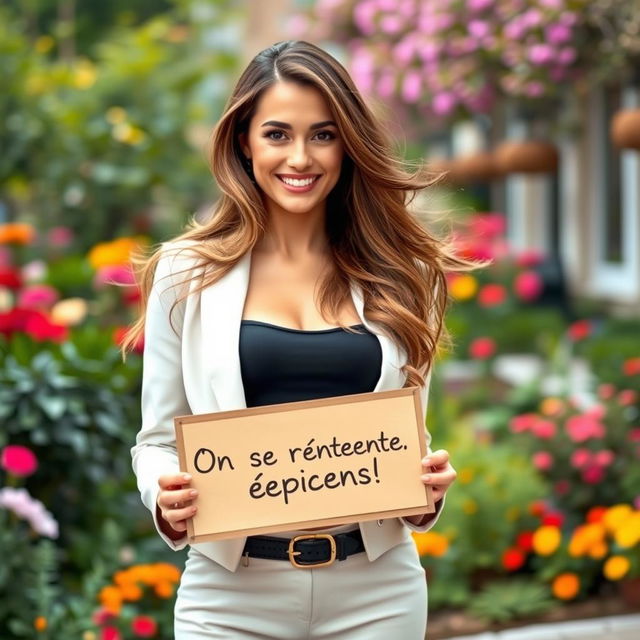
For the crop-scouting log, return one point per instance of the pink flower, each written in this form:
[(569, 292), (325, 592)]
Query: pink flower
[(492, 295), (18, 460), (482, 348), (478, 28), (29, 509), (412, 86), (580, 458), (562, 487), (604, 457), (110, 633), (593, 475), (529, 258), (579, 330), (597, 412), (557, 33), (528, 285), (60, 237), (567, 55), (37, 296), (540, 54), (443, 103), (544, 429), (627, 397), (523, 422), (634, 435), (583, 427), (542, 460), (114, 275), (489, 225), (479, 5), (606, 391)]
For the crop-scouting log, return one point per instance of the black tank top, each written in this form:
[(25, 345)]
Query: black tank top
[(280, 364)]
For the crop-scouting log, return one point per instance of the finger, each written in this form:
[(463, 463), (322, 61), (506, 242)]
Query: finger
[(177, 480), (444, 478), (175, 516), (436, 459), (177, 499)]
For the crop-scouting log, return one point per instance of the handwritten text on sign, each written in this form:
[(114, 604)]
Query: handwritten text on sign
[(303, 464)]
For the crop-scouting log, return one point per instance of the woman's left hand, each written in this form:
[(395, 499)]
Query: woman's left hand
[(438, 473)]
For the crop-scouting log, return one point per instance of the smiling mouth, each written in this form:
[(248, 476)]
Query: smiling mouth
[(296, 182)]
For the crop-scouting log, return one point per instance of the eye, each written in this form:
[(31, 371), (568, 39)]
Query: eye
[(274, 132), (329, 135)]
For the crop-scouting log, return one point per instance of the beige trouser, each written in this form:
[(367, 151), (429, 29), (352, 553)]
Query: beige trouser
[(354, 599)]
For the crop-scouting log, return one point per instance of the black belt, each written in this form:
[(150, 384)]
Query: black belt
[(306, 551)]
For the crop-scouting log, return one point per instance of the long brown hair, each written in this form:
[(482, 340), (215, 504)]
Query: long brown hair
[(374, 239)]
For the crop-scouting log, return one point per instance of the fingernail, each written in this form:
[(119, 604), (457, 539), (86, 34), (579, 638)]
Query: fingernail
[(426, 460), (193, 492), (427, 478), (186, 476)]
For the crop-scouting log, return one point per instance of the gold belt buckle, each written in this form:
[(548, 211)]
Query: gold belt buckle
[(293, 553)]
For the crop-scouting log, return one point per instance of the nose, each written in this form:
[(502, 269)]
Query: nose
[(299, 157)]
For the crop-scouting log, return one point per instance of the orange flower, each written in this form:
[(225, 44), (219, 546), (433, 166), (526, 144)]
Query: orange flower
[(16, 233), (598, 551), (431, 543), (131, 592), (163, 589), (616, 567), (111, 599), (40, 623), (566, 586), (585, 537), (116, 252), (546, 540)]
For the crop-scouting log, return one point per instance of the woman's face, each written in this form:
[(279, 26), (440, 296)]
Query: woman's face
[(295, 148)]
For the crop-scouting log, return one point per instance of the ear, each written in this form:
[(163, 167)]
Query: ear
[(242, 139)]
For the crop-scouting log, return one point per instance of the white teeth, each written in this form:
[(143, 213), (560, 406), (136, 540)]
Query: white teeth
[(297, 183)]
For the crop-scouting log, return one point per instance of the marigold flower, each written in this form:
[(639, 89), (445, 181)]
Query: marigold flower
[(40, 623), (546, 540), (551, 406), (616, 567), (565, 586), (616, 516), (598, 551), (163, 589), (116, 252), (19, 233), (463, 287), (430, 543), (628, 534), (596, 514)]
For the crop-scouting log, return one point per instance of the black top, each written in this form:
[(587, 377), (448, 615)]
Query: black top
[(281, 364)]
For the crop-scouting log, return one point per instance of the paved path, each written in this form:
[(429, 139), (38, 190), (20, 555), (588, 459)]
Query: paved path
[(611, 628)]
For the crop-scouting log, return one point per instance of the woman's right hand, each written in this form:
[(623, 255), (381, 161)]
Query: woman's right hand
[(175, 502)]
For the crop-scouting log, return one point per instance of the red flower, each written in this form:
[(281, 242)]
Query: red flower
[(32, 322), (482, 348), (593, 474), (627, 397), (631, 367), (528, 285), (537, 508), (562, 487), (119, 335), (513, 559), (529, 258), (606, 391), (101, 616), (10, 277), (492, 295), (553, 518), (524, 541), (144, 626), (579, 330), (18, 460), (110, 633), (595, 514)]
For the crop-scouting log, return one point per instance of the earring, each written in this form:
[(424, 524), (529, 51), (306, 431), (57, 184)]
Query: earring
[(248, 167)]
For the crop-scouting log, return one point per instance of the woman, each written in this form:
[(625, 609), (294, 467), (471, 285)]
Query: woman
[(310, 279)]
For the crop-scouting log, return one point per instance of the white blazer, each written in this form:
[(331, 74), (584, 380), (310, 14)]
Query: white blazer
[(198, 371)]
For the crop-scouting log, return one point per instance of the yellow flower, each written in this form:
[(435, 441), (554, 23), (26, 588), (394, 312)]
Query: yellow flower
[(616, 567), (116, 252), (463, 287), (546, 540), (44, 44), (69, 312), (470, 506), (17, 233), (40, 623), (566, 586), (84, 75), (116, 115), (585, 538), (430, 543), (465, 476), (615, 516), (628, 534), (127, 133), (88, 635)]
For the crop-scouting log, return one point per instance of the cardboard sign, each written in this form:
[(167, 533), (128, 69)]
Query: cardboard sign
[(299, 465)]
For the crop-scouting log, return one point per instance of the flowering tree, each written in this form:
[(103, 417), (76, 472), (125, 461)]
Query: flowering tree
[(453, 58)]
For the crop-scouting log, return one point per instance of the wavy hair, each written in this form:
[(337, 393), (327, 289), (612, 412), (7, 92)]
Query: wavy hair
[(374, 239)]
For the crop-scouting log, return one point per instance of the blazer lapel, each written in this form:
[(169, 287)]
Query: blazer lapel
[(221, 311)]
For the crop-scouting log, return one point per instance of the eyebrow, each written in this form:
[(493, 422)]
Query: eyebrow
[(285, 125)]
